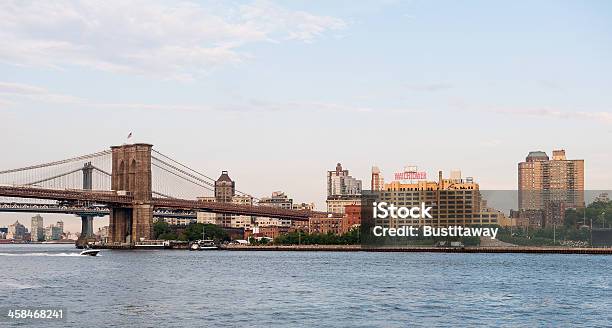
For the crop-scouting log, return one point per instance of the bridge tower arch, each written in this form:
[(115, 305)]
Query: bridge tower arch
[(131, 173)]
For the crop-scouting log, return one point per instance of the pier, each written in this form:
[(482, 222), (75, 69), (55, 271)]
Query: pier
[(359, 248)]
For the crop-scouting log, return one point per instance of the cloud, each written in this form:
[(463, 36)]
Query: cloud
[(491, 143), (552, 85), (178, 40), (20, 93), (9, 89), (558, 114), (431, 87), (22, 89)]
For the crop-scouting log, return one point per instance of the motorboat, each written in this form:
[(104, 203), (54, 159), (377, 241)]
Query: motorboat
[(90, 252)]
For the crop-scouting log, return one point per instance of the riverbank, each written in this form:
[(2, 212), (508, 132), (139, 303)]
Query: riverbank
[(359, 248)]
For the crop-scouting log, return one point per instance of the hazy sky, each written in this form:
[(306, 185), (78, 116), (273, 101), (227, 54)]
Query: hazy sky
[(279, 92)]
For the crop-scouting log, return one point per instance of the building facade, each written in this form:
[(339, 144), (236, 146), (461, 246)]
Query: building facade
[(454, 201), (342, 190), (278, 199), (225, 188), (225, 192), (37, 228), (340, 183), (550, 185), (16, 231), (378, 182), (303, 206)]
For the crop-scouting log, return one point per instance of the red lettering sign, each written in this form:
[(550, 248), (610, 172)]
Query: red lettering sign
[(410, 175)]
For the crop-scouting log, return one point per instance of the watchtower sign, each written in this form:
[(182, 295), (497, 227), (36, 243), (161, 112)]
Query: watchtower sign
[(410, 172)]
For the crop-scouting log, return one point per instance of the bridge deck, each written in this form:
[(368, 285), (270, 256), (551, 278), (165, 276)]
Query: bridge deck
[(112, 199)]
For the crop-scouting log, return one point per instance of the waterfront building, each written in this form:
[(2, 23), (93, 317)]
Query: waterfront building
[(240, 221), (178, 221), (325, 225), (299, 225), (454, 201), (102, 234), (352, 217), (550, 185), (60, 225), (268, 222), (225, 192), (281, 200), (338, 204), (225, 188), (303, 206), (54, 231), (278, 199), (208, 217), (16, 231), (268, 231), (37, 228)]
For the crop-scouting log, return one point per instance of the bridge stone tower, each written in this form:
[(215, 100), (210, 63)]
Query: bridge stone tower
[(131, 172)]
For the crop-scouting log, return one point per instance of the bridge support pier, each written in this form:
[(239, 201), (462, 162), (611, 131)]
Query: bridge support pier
[(87, 226), (119, 225), (131, 174), (129, 225), (87, 234)]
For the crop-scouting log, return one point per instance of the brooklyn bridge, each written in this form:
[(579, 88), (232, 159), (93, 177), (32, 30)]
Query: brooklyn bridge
[(131, 183)]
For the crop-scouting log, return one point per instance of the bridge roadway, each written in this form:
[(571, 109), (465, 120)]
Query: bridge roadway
[(80, 210), (111, 198)]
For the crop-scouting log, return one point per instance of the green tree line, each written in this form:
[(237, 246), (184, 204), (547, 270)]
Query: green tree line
[(162, 230)]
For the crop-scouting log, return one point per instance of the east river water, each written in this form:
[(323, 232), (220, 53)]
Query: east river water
[(172, 288)]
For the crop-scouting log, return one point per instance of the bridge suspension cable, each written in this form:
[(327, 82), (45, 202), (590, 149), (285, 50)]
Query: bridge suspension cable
[(69, 160), (53, 177), (182, 177), (101, 171), (192, 173), (64, 174)]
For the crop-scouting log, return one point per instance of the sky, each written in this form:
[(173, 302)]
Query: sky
[(278, 92)]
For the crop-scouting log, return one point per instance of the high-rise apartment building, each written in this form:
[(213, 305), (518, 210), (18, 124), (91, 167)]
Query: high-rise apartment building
[(378, 182), (37, 228), (342, 190), (340, 183), (550, 185)]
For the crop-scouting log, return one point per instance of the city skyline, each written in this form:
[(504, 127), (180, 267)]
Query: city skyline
[(292, 88), (9, 218)]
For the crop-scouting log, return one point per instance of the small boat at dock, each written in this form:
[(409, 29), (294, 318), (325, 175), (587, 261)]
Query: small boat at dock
[(202, 245)]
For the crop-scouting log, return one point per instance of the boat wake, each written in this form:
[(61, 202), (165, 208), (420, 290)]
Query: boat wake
[(39, 254)]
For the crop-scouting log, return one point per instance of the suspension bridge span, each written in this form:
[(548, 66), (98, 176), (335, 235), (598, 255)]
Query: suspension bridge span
[(132, 183)]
